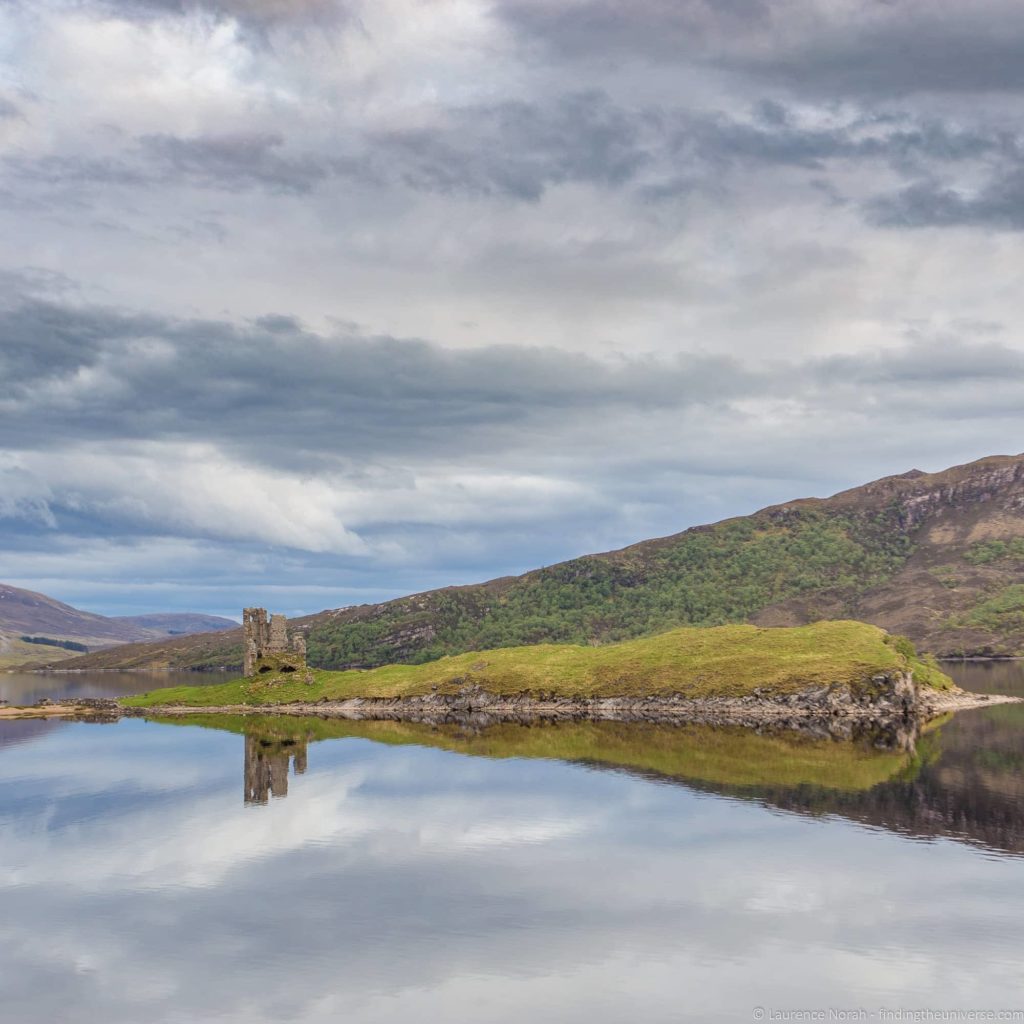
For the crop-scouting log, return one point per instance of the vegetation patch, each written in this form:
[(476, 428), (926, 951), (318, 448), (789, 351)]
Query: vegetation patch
[(989, 551), (727, 661), (947, 575), (1002, 611), (67, 645)]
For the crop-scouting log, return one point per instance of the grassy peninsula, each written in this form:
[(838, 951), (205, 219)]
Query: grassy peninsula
[(723, 661)]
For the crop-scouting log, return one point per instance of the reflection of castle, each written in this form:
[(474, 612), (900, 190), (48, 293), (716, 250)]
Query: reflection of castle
[(266, 766)]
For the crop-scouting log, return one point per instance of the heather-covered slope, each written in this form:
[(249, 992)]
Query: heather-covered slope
[(938, 557)]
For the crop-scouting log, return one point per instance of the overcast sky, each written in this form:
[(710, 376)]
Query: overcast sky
[(313, 302)]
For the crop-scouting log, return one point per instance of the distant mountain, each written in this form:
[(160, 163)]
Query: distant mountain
[(938, 557), (24, 613), (176, 623)]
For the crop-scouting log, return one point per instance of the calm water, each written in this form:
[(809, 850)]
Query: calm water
[(284, 870), (28, 687)]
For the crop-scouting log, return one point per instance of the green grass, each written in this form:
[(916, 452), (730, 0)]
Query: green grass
[(14, 652), (728, 661), (723, 757)]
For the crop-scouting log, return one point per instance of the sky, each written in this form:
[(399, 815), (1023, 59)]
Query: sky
[(308, 303)]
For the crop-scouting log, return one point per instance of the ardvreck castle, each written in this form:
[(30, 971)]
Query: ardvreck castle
[(267, 645)]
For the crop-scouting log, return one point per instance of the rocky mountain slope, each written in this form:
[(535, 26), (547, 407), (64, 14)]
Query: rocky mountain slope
[(938, 557), (26, 613)]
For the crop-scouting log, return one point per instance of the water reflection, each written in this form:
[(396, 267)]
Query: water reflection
[(267, 760), (28, 687), (959, 777), (596, 873)]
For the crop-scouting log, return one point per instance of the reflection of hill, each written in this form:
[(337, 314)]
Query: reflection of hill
[(969, 786), (960, 778), (725, 756)]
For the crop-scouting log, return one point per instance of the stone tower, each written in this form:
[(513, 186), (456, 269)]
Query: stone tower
[(267, 645)]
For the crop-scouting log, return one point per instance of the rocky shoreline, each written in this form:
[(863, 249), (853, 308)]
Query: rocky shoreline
[(899, 698)]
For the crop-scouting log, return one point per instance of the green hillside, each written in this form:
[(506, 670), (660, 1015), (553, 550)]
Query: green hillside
[(706, 577)]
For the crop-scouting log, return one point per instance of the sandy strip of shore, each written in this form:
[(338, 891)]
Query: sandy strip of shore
[(54, 711)]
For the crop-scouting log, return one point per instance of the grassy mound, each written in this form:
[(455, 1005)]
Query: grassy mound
[(726, 661)]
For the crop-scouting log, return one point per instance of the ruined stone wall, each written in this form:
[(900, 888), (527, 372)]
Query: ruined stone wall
[(268, 636), (256, 634), (277, 637)]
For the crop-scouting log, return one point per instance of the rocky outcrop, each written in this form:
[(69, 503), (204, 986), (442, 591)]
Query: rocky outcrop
[(835, 709)]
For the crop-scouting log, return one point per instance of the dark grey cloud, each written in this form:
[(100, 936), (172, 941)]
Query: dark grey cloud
[(91, 373), (229, 162), (874, 48), (658, 29), (9, 109), (274, 393), (998, 205), (774, 135), (255, 14), (922, 47), (76, 170), (233, 161), (519, 149)]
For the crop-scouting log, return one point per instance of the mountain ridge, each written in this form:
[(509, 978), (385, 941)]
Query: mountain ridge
[(30, 613), (938, 557)]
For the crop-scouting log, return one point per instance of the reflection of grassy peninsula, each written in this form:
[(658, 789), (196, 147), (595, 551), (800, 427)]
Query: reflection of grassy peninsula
[(961, 779), (725, 661), (710, 755)]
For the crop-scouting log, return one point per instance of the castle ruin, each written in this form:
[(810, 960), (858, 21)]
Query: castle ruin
[(267, 644)]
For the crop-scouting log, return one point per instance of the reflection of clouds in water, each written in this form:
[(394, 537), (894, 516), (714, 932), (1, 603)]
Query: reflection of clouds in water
[(406, 883)]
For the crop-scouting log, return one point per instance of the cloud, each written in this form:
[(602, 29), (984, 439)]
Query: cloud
[(376, 297), (845, 48), (998, 205), (22, 496), (256, 13), (517, 149), (234, 161), (93, 373), (381, 449)]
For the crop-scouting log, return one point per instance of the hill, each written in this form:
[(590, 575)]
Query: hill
[(937, 557), (24, 613), (686, 663)]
